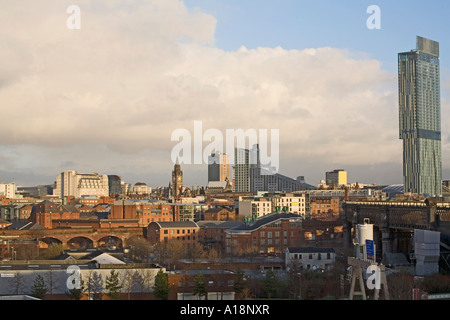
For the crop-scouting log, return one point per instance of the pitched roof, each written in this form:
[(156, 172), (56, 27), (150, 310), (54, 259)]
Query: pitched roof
[(264, 220), (310, 250), (219, 224), (176, 224)]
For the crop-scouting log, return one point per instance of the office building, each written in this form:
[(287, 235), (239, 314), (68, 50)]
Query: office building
[(420, 118), (336, 178), (218, 167)]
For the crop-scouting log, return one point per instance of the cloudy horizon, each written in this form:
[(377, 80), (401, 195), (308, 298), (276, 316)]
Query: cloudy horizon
[(106, 98)]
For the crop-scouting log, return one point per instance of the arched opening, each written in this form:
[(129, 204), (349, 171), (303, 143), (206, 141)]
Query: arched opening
[(80, 243), (110, 243)]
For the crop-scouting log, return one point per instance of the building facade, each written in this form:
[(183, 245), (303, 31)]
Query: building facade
[(420, 118), (177, 180), (218, 167), (73, 184), (336, 178), (184, 231), (270, 234), (310, 258)]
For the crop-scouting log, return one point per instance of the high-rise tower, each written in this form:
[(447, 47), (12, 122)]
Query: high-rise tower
[(420, 118)]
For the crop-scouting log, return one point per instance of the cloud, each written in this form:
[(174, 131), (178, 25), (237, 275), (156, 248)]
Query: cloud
[(138, 70)]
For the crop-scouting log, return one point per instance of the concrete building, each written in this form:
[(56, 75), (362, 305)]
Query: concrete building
[(290, 203), (8, 190), (17, 277), (141, 188), (310, 258), (250, 207), (73, 184)]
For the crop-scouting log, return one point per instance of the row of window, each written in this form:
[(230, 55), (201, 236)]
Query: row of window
[(310, 256)]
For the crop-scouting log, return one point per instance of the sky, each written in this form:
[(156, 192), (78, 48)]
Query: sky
[(108, 97)]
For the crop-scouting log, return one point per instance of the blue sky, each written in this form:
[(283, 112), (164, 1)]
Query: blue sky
[(298, 24)]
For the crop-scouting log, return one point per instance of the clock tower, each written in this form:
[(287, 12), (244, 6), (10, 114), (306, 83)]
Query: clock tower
[(177, 180)]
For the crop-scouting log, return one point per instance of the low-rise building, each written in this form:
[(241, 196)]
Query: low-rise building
[(298, 258), (269, 234), (219, 214), (184, 231)]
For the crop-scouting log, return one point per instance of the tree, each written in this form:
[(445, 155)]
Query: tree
[(77, 293), (270, 284), (39, 288), (239, 284), (17, 283), (95, 285), (199, 286), (54, 250), (112, 285), (161, 287), (52, 283)]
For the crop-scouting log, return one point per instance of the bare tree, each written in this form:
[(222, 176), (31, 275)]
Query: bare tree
[(52, 284), (127, 282), (17, 283)]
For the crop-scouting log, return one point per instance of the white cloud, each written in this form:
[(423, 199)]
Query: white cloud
[(137, 70)]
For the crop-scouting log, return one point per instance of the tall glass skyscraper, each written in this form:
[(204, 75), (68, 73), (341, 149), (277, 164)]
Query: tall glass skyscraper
[(420, 118)]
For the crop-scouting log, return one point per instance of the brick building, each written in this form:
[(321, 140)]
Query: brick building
[(185, 231), (324, 207), (143, 210), (269, 234), (219, 214), (212, 233), (46, 211)]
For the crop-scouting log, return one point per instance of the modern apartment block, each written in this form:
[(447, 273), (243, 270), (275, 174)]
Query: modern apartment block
[(420, 118)]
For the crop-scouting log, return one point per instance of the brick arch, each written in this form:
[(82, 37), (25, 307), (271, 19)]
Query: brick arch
[(91, 243), (50, 240), (115, 240)]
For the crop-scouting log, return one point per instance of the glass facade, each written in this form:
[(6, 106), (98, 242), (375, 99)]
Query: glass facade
[(420, 118)]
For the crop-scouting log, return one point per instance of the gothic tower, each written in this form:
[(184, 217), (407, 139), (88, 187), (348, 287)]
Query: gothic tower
[(177, 180)]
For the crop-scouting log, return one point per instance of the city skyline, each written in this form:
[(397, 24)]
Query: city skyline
[(107, 97)]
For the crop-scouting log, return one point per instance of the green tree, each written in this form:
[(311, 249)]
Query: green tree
[(39, 288), (199, 285), (161, 287), (53, 251), (77, 293), (112, 285), (95, 286)]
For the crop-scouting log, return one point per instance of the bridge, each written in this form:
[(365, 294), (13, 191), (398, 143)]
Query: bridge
[(77, 238), (394, 222)]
